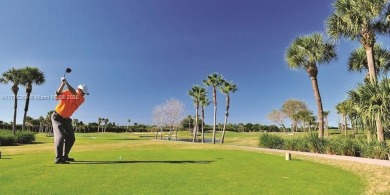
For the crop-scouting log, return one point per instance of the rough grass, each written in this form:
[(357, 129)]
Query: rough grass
[(128, 164)]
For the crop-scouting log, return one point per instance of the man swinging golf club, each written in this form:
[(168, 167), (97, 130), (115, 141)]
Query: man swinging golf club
[(69, 101)]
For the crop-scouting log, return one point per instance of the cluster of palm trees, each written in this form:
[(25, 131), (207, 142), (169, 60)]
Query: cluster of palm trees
[(26, 77), (360, 20), (102, 122), (199, 95)]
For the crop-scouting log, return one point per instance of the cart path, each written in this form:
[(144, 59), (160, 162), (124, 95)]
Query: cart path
[(385, 163)]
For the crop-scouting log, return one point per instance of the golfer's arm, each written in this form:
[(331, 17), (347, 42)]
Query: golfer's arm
[(59, 90), (70, 88)]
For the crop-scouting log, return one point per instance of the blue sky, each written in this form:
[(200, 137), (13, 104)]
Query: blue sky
[(136, 54)]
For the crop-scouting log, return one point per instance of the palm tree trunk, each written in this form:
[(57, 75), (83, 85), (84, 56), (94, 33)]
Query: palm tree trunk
[(319, 107), (196, 123), (226, 116), (15, 109), (371, 63), (379, 129), (202, 124), (215, 112), (25, 111)]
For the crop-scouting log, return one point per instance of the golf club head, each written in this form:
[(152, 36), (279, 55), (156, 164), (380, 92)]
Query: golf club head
[(68, 70)]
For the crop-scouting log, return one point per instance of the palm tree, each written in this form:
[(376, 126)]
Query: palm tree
[(214, 80), (305, 53), (342, 109), (31, 75), (100, 120), (204, 101), (196, 92), (227, 88), (15, 77), (361, 20), (357, 61), (128, 121), (358, 20), (75, 124), (370, 100), (326, 122), (105, 124)]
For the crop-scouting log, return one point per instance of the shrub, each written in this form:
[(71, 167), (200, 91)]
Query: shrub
[(22, 137), (291, 144), (332, 146), (314, 143), (25, 137), (271, 141), (7, 139), (348, 146), (375, 150)]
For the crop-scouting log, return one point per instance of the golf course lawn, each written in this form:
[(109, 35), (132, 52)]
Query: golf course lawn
[(109, 163)]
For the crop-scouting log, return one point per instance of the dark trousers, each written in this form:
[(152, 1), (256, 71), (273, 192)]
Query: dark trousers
[(63, 135)]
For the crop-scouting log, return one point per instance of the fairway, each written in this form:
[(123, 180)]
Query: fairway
[(129, 164)]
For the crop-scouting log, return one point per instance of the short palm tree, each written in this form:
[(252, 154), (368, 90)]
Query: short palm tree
[(31, 75), (371, 101), (13, 76), (227, 88), (358, 20), (305, 53), (204, 101), (343, 108), (196, 92), (214, 80)]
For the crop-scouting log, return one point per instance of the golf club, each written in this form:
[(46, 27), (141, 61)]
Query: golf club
[(68, 70)]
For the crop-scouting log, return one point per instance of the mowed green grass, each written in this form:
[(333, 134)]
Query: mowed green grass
[(109, 163)]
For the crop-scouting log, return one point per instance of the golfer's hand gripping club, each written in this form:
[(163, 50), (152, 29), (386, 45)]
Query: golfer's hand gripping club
[(63, 79)]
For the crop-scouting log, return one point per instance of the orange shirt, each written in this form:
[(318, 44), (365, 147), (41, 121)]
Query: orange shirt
[(68, 103)]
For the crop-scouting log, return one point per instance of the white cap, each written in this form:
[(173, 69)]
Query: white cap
[(83, 88)]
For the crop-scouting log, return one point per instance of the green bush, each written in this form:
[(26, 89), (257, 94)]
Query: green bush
[(375, 150), (314, 143), (7, 139), (21, 137), (348, 146), (291, 144), (271, 141), (25, 137)]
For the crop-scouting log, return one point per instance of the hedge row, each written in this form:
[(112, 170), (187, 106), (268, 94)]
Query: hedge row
[(346, 146), (21, 137)]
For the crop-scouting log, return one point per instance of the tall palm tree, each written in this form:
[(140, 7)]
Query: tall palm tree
[(13, 76), (31, 75), (305, 53), (227, 88), (196, 92), (358, 62), (358, 20), (204, 101), (214, 80)]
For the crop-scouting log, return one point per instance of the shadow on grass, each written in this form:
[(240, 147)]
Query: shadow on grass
[(143, 161)]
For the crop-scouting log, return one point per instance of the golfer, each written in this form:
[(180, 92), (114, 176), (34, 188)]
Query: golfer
[(69, 101)]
